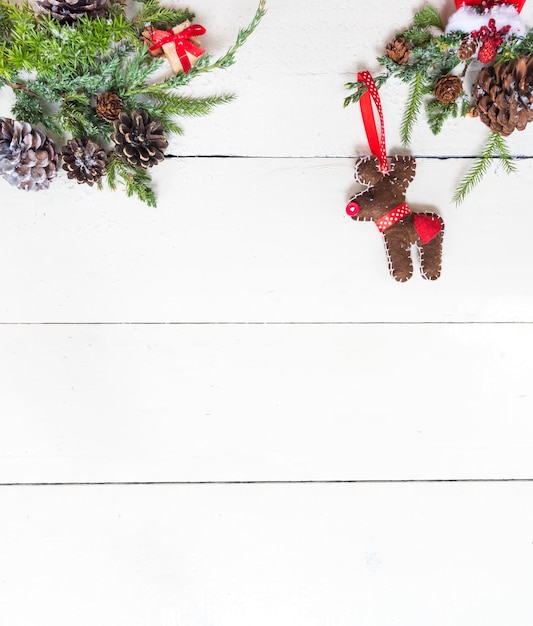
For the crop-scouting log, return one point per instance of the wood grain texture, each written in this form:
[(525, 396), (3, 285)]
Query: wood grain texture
[(288, 555), (248, 330), (262, 402), (260, 240), (290, 79)]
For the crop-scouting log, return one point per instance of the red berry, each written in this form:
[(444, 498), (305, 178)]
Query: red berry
[(487, 52)]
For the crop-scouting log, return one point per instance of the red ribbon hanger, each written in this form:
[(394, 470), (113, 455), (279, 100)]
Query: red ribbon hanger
[(375, 143), (489, 3), (181, 41)]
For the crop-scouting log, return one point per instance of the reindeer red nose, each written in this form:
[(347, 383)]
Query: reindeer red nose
[(352, 209)]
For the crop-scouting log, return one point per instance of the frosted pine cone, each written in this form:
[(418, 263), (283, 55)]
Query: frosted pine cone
[(84, 160), (467, 48), (28, 159), (70, 10)]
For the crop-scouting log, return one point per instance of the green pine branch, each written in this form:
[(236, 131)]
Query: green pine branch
[(132, 73), (515, 46), (427, 17), (206, 64), (360, 88), (412, 109), (495, 147), (136, 181), (187, 105), (44, 46), (5, 23), (438, 112), (30, 108), (465, 106), (57, 71), (160, 17)]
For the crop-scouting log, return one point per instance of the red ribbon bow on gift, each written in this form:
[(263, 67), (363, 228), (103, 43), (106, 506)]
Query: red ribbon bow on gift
[(489, 3), (181, 41)]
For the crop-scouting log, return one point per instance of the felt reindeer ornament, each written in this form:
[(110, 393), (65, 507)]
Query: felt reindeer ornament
[(383, 202)]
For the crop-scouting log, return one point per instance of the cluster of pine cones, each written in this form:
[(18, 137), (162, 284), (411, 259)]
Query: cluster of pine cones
[(502, 94), (29, 160)]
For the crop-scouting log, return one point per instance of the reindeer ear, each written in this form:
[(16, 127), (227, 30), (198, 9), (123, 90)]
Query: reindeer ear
[(367, 171), (403, 171)]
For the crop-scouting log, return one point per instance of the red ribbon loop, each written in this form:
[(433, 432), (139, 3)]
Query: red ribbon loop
[(376, 143), (181, 41)]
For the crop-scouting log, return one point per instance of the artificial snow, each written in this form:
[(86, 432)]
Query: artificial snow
[(466, 19)]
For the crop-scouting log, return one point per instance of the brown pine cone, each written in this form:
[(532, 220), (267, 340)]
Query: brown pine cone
[(398, 50), (108, 106), (503, 95), (448, 88), (84, 160), (139, 140), (467, 48)]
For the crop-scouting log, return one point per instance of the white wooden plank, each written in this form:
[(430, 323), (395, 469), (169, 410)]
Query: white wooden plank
[(290, 81), (407, 555), (259, 240), (262, 402)]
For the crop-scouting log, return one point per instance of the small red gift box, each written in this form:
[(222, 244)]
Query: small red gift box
[(179, 45), (489, 3)]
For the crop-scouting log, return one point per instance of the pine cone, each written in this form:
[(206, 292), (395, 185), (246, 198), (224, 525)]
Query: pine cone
[(467, 48), (84, 160), (139, 140), (398, 50), (503, 95), (70, 10), (28, 159), (108, 106), (448, 88)]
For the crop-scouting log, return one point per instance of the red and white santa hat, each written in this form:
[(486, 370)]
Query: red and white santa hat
[(468, 16)]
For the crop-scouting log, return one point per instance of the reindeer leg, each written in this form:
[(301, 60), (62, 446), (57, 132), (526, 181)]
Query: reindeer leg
[(400, 262), (431, 257)]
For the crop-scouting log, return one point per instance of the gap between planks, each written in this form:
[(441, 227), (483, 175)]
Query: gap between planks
[(461, 157), (277, 323), (170, 483)]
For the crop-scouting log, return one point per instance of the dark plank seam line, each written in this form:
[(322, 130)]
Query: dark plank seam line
[(274, 323), (461, 157), (270, 482)]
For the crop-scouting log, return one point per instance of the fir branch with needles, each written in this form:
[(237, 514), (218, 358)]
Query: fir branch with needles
[(420, 56), (438, 112), (160, 17), (59, 70), (134, 181), (412, 108), (495, 147), (360, 88), (428, 17), (206, 64)]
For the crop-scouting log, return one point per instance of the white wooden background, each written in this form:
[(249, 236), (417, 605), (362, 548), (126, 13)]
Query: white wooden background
[(223, 411)]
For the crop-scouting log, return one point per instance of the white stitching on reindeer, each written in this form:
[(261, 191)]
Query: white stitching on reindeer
[(383, 201)]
